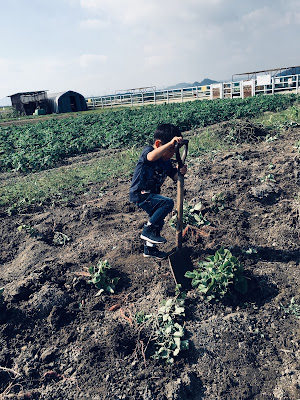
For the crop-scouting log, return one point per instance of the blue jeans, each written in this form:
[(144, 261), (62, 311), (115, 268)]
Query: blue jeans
[(157, 207)]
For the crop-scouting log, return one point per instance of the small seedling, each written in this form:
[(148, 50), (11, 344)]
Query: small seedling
[(268, 178), (251, 250), (33, 232), (218, 202), (293, 308), (101, 279), (214, 278), (272, 138), (60, 238)]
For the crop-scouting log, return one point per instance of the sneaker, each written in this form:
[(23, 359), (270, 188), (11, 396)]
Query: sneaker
[(154, 252), (149, 233)]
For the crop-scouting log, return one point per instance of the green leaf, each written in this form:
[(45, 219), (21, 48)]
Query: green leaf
[(190, 274), (177, 342), (179, 310), (176, 352), (184, 345)]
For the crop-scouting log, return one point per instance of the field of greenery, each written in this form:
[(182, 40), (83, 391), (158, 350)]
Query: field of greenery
[(40, 146)]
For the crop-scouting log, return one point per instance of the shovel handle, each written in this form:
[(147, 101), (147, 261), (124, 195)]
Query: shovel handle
[(181, 158), (180, 190)]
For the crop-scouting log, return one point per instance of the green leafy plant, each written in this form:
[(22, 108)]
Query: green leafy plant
[(169, 334), (1, 292), (100, 278), (29, 229), (191, 215), (293, 308), (268, 178), (218, 202), (60, 238), (214, 278)]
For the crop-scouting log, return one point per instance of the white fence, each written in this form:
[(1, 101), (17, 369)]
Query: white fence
[(240, 89)]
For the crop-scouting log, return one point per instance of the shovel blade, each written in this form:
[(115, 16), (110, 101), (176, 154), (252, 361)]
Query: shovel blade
[(180, 262)]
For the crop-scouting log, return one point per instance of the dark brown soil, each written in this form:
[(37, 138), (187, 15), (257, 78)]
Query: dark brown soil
[(59, 341)]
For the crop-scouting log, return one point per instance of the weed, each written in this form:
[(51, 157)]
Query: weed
[(60, 238), (268, 178), (292, 309), (214, 277), (251, 250), (101, 279), (33, 232), (218, 202)]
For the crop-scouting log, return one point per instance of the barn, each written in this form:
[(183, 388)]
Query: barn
[(64, 102), (28, 102)]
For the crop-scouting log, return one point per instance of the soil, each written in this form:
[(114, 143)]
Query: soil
[(60, 341)]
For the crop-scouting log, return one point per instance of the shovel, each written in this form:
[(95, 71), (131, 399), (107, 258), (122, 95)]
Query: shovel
[(179, 259)]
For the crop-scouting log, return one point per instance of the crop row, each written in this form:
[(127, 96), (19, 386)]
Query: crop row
[(41, 146)]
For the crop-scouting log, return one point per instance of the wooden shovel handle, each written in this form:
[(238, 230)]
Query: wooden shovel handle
[(180, 190)]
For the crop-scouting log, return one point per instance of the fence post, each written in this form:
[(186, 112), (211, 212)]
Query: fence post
[(181, 95), (297, 83), (273, 84), (154, 96), (102, 102)]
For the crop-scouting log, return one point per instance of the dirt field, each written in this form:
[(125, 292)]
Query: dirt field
[(60, 341)]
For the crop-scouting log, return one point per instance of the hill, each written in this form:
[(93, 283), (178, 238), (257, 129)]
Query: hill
[(205, 81)]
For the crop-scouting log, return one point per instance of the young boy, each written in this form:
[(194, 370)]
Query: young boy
[(152, 168)]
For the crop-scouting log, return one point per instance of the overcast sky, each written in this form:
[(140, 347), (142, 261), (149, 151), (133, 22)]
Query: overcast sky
[(96, 47)]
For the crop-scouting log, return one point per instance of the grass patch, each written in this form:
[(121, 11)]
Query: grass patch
[(206, 142), (282, 120), (64, 183)]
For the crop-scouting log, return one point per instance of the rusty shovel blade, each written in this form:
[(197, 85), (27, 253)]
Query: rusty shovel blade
[(180, 262)]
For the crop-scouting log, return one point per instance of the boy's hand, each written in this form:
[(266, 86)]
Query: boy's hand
[(183, 170), (176, 139)]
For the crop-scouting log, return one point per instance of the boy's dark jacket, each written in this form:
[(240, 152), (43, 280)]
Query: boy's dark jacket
[(149, 176)]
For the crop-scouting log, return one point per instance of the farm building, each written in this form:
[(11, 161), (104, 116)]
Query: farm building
[(42, 103), (63, 102), (28, 102)]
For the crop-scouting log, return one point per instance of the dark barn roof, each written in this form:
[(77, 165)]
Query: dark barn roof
[(69, 101)]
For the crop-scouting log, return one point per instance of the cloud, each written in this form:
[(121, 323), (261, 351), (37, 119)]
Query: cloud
[(92, 60), (94, 24)]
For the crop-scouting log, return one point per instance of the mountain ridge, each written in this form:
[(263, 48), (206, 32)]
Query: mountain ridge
[(182, 85)]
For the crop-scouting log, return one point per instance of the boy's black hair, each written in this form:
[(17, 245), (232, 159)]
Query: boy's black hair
[(166, 132)]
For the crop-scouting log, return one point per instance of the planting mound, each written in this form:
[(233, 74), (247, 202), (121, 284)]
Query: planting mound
[(60, 341)]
